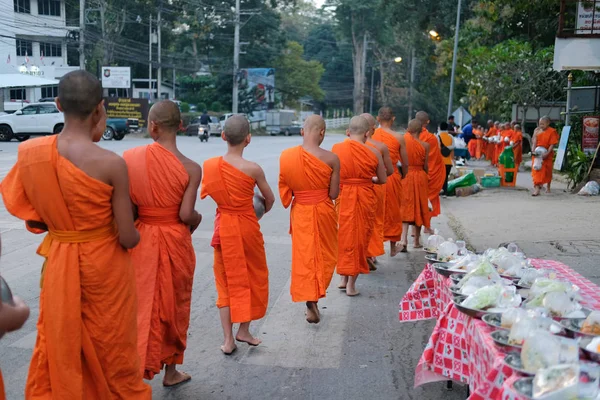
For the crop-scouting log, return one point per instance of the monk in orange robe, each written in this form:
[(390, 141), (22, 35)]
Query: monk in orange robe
[(376, 242), (490, 146), (476, 147), (78, 192), (415, 192), (163, 185), (505, 136), (547, 137), (309, 180), (436, 167), (392, 226), (361, 168), (498, 145), (517, 143), (12, 318), (240, 264)]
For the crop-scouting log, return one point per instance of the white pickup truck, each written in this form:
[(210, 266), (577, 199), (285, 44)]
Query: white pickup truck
[(33, 119)]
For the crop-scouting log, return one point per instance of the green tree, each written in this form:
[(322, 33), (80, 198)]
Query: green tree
[(296, 77)]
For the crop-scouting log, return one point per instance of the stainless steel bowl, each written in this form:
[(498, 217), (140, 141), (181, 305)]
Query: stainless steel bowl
[(457, 277), (500, 337), (586, 312), (514, 362), (432, 258), (573, 326), (590, 355), (493, 321), (442, 269), (468, 311), (524, 387)]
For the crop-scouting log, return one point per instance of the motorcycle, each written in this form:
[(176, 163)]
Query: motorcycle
[(203, 133)]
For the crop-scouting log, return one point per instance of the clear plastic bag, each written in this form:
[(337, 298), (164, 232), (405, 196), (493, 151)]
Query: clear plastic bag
[(433, 242), (447, 251), (592, 188), (558, 382)]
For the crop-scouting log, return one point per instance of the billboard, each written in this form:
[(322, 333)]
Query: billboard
[(116, 77), (122, 107), (258, 84), (588, 19), (591, 125)]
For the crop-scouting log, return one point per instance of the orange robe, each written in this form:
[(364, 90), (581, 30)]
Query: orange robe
[(86, 345), (415, 209), (475, 145), (240, 264), (547, 138), (2, 395), (491, 147), (472, 147), (518, 149), (508, 133), (437, 171), (375, 248), (356, 205), (164, 260), (392, 225), (304, 183)]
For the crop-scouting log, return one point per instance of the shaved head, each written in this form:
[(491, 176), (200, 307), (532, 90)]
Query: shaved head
[(545, 119), (385, 114), (237, 129), (423, 117), (370, 119), (490, 123), (315, 123), (358, 126), (415, 126), (79, 93), (166, 115)]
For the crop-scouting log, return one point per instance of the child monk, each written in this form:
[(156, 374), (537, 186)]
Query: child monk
[(376, 247), (78, 192), (517, 143), (491, 147), (240, 264), (415, 209), (309, 180), (547, 137), (395, 144), (163, 185), (361, 167), (436, 168)]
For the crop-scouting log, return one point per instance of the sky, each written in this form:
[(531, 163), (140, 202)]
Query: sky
[(318, 3)]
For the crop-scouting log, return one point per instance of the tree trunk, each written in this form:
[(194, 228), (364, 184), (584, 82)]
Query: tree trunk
[(358, 61), (382, 97)]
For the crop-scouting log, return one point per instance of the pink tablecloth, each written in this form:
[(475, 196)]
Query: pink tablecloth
[(460, 347)]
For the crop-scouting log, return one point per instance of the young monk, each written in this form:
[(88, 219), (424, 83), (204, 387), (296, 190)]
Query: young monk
[(415, 209), (517, 143), (78, 192), (547, 137), (395, 144), (376, 247), (310, 177), (163, 185), (12, 318), (490, 147), (498, 134), (436, 168), (361, 167), (478, 133), (241, 273)]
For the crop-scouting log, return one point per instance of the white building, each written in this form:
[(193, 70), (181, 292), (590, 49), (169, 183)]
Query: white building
[(33, 40)]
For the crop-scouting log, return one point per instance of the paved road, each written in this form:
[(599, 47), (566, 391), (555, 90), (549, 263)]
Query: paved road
[(359, 351)]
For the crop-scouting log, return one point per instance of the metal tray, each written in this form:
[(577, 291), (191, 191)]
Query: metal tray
[(590, 355), (442, 269), (457, 277), (500, 337), (468, 311), (573, 326), (524, 387), (514, 362), (493, 321)]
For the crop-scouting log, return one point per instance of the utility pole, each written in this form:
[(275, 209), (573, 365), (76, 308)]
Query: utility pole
[(371, 98), (159, 69), (150, 96), (363, 77), (413, 65), (454, 59), (174, 82), (236, 58), (81, 34)]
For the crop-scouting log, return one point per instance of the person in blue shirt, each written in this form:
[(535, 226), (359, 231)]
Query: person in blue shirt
[(467, 133)]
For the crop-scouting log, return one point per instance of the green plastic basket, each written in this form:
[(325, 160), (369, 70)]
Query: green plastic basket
[(490, 181)]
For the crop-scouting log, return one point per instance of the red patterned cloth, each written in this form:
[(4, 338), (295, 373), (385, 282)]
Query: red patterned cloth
[(460, 347)]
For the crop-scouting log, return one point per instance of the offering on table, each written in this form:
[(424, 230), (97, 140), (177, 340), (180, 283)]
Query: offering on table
[(557, 382), (591, 325), (511, 316), (561, 305), (560, 298), (447, 251), (529, 275), (433, 242), (542, 350), (465, 263), (480, 268), (493, 296)]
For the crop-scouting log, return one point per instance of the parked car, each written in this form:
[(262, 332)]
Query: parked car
[(33, 119), (116, 128), (293, 129), (47, 100)]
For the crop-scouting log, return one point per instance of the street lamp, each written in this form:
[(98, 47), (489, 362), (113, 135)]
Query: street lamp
[(434, 34), (397, 60)]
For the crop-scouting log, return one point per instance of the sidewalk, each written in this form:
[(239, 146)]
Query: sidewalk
[(559, 226)]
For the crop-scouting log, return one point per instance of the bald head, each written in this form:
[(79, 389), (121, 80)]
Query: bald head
[(423, 117), (385, 114), (370, 119), (237, 129), (79, 93), (166, 115), (314, 124), (544, 122), (358, 126), (414, 126), (490, 123)]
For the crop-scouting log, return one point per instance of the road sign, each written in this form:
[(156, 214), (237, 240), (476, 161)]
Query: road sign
[(116, 77)]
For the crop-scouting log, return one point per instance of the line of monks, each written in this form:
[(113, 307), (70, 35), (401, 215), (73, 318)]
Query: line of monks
[(119, 262)]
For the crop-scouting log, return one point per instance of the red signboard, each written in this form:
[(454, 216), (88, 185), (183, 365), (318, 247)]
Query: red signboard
[(590, 134)]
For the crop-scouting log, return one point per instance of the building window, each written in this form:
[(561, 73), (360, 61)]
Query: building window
[(49, 91), (23, 48), (50, 50), (18, 94), (22, 6), (49, 7)]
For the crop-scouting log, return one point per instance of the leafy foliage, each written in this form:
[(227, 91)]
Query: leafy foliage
[(296, 77)]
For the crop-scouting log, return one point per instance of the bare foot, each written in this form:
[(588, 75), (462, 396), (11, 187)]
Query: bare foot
[(393, 249), (429, 231), (548, 189), (351, 288), (312, 313), (536, 191), (343, 283), (403, 247), (246, 337), (372, 266), (352, 293), (174, 377), (229, 347)]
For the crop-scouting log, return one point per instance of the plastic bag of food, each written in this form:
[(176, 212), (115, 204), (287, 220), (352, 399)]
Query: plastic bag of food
[(508, 297), (483, 298), (522, 328), (483, 269), (510, 316), (529, 275), (433, 242), (540, 350), (592, 188), (447, 251), (560, 304), (475, 283), (591, 325), (558, 382), (589, 380)]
